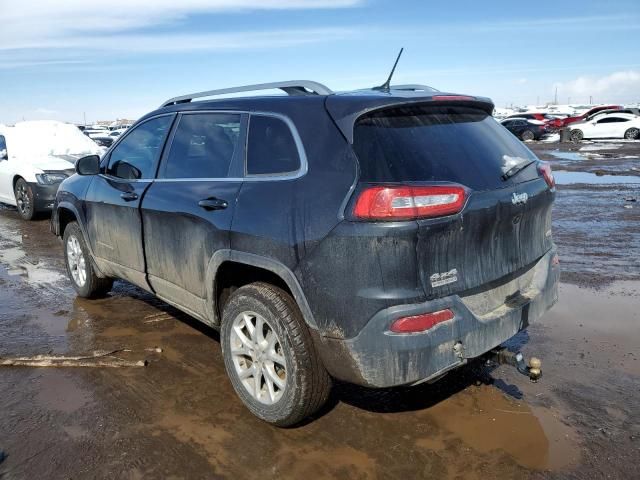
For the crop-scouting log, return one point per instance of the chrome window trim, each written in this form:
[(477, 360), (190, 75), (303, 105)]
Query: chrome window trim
[(302, 170), (121, 137), (238, 149)]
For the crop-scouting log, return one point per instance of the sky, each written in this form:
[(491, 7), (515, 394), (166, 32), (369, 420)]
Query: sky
[(78, 59)]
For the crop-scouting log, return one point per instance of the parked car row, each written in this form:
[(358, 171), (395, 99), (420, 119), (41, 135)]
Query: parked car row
[(104, 136), (604, 121), (589, 113), (551, 121)]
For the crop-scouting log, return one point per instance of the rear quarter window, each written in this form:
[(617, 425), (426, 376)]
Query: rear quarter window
[(438, 144), (271, 148)]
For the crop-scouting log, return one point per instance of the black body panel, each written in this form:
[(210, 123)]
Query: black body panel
[(114, 227), (180, 236)]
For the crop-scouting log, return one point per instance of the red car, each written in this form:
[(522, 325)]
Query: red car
[(549, 120), (582, 117)]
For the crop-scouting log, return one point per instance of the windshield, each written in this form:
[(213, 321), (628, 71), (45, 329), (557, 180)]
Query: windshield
[(438, 144)]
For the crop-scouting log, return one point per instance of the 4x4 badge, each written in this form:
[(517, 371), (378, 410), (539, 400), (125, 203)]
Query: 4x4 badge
[(439, 279), (519, 198)]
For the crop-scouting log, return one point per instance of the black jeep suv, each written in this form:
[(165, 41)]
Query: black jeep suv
[(381, 237)]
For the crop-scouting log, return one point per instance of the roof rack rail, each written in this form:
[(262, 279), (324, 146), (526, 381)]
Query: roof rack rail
[(413, 88), (291, 87)]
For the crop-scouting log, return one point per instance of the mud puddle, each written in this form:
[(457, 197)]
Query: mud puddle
[(597, 230), (567, 155), (597, 158), (567, 178), (601, 326)]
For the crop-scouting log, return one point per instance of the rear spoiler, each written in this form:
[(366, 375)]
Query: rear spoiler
[(346, 109)]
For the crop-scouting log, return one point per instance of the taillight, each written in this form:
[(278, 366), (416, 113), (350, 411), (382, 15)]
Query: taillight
[(420, 323), (405, 203), (545, 170)]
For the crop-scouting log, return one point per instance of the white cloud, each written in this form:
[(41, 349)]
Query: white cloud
[(9, 65), (37, 24), (621, 86), (178, 42), (45, 111)]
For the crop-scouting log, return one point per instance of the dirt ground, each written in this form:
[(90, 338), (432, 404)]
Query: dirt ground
[(179, 418)]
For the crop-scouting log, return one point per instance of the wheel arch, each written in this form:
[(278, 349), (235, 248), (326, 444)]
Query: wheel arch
[(16, 177), (66, 213), (266, 269)]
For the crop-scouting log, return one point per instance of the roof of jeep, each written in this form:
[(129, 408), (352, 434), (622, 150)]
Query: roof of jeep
[(344, 107)]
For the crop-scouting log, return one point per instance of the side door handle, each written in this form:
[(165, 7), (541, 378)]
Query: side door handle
[(129, 196), (213, 204)]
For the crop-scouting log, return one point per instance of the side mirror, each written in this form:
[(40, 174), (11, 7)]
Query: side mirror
[(3, 154), (89, 165)]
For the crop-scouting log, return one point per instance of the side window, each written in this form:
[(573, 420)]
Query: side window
[(203, 146), (136, 155), (271, 147), (507, 123), (613, 120), (3, 147)]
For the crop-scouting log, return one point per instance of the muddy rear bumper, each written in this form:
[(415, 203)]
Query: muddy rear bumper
[(483, 320)]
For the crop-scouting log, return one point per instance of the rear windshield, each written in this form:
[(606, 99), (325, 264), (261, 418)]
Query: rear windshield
[(438, 144)]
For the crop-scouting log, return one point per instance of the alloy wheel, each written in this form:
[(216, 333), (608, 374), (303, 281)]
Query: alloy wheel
[(632, 134), (22, 199), (258, 357), (76, 261)]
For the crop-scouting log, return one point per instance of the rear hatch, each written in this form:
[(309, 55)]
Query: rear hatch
[(505, 223)]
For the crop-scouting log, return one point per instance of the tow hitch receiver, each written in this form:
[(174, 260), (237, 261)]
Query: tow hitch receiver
[(502, 356)]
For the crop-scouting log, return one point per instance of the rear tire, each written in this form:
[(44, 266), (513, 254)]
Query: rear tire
[(24, 199), (527, 136), (80, 269), (632, 134), (270, 356), (576, 136)]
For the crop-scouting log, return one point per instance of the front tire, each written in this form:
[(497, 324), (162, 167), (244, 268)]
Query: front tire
[(527, 136), (576, 136), (24, 199), (270, 356), (80, 267), (632, 134)]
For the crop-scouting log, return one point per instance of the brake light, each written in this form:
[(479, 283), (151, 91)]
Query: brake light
[(420, 323), (445, 98), (405, 203), (544, 169)]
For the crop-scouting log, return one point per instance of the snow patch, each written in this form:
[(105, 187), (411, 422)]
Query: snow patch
[(597, 146), (40, 139)]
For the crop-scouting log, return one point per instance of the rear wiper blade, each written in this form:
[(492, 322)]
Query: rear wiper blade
[(517, 169)]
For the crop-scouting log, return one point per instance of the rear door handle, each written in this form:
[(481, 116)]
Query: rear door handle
[(129, 196), (213, 204)]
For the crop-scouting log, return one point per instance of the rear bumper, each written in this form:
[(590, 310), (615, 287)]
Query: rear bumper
[(483, 320), (43, 196)]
